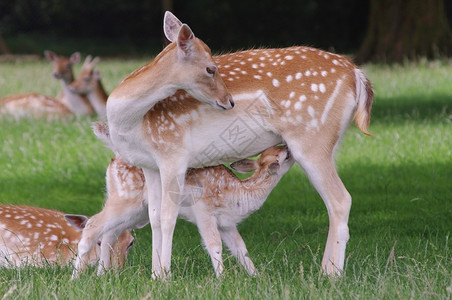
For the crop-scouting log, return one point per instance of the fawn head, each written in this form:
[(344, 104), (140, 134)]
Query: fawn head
[(120, 249), (275, 160)]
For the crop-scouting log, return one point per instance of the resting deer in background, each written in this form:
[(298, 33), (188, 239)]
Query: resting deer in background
[(66, 104), (300, 96), (78, 104), (62, 68), (33, 105), (38, 236), (88, 83), (213, 198)]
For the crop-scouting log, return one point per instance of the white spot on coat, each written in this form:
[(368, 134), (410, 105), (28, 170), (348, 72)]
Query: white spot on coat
[(311, 111), (297, 105), (287, 104)]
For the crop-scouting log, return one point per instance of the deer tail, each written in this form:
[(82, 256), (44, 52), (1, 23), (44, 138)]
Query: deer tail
[(364, 99)]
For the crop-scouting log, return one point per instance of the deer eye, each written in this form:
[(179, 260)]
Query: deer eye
[(287, 155), (131, 244), (211, 70)]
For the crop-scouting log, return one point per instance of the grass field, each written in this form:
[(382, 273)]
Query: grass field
[(400, 223)]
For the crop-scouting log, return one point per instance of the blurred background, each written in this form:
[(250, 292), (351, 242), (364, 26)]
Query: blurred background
[(370, 30)]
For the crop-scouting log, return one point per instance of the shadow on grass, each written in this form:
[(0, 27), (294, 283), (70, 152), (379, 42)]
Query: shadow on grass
[(416, 108), (82, 192)]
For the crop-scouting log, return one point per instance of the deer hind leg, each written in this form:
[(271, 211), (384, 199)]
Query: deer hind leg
[(237, 247), (321, 170)]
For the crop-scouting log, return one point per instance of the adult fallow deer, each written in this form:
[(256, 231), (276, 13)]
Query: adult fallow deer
[(301, 96)]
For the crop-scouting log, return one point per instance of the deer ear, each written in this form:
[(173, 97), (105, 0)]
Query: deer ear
[(244, 166), (273, 168), (95, 60), (78, 221), (141, 225), (50, 55), (171, 26), (75, 58), (185, 40)]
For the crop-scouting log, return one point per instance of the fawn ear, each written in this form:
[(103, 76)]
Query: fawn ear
[(50, 55), (171, 26), (273, 168), (75, 58), (244, 166), (78, 221), (141, 225), (185, 40)]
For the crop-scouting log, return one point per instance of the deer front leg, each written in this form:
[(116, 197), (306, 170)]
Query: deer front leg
[(237, 247), (154, 194), (173, 179)]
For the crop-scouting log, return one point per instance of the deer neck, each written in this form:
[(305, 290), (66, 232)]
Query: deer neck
[(255, 190), (77, 104), (140, 91), (98, 99)]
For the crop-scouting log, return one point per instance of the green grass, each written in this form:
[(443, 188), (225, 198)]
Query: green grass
[(400, 223)]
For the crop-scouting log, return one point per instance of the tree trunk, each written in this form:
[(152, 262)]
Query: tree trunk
[(3, 48), (400, 29)]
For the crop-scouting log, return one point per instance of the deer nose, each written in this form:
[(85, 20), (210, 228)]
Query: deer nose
[(231, 102)]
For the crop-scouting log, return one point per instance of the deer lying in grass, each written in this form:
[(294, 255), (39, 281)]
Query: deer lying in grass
[(300, 96), (214, 199), (78, 104), (88, 83), (66, 104), (38, 236)]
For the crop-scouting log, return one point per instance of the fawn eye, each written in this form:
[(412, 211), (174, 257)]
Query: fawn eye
[(131, 244), (211, 70), (287, 155)]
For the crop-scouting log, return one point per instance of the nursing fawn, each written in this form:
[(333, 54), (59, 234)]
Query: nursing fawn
[(213, 198)]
